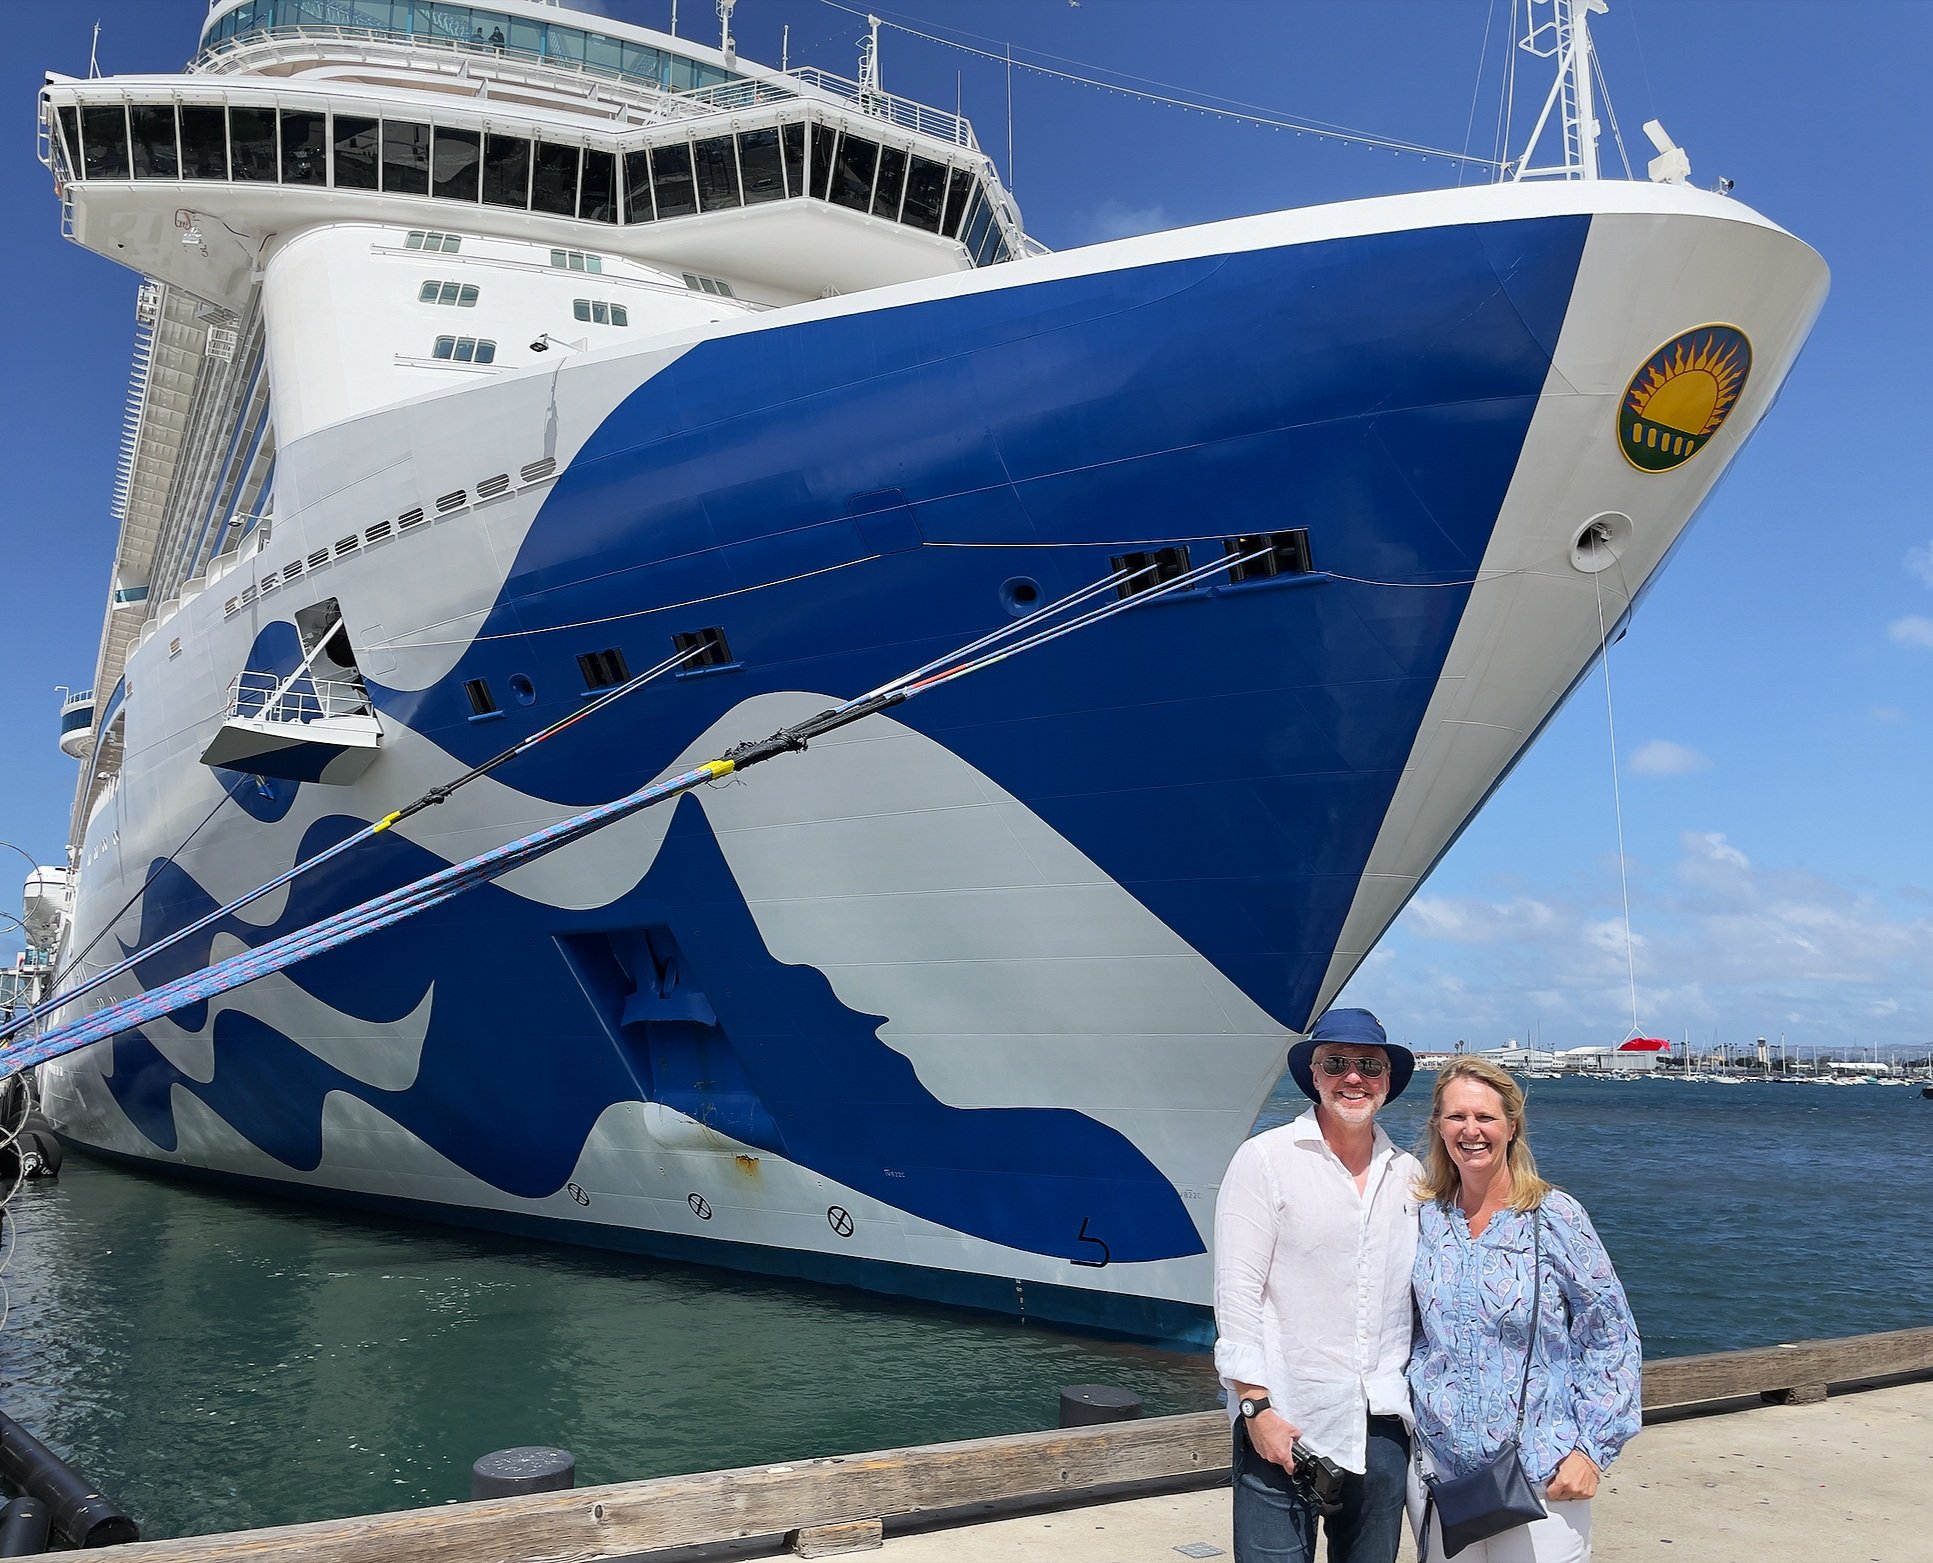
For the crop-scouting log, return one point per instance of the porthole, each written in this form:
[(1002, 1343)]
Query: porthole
[(523, 689), (1020, 596)]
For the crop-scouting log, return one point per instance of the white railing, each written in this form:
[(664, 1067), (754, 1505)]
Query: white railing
[(903, 112), (133, 418), (260, 697)]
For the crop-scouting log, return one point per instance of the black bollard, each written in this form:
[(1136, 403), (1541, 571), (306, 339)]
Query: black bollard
[(1084, 1405), (23, 1528), (507, 1472), (78, 1512)]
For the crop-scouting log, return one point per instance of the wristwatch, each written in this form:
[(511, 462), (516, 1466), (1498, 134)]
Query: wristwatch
[(1252, 1408)]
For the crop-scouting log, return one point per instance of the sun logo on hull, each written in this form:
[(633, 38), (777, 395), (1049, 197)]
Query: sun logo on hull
[(1683, 394)]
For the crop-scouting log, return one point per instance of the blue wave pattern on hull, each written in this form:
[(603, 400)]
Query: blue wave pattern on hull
[(1231, 771), (767, 1054)]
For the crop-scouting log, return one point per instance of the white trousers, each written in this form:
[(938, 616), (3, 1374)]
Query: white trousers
[(1562, 1536)]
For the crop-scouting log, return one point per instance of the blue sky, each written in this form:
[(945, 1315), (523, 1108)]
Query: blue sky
[(1774, 698)]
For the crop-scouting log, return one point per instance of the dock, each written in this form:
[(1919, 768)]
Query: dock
[(1816, 1449)]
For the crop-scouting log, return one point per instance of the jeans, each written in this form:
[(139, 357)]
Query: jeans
[(1274, 1525)]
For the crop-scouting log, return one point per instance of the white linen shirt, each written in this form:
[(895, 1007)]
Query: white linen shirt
[(1312, 1283)]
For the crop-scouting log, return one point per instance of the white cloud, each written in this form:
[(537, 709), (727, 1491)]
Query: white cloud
[(1662, 757), (1118, 220), (1920, 562), (1887, 714), (1914, 630)]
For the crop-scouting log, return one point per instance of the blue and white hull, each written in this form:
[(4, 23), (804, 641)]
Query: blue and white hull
[(973, 1001)]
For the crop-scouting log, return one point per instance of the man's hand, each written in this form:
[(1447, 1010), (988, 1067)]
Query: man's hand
[(1273, 1436), (1576, 1477)]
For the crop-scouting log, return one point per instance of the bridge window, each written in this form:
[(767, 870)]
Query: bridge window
[(305, 148), (823, 139), (925, 190), (204, 141), (891, 184), (155, 154), (853, 167), (358, 152), (252, 144), (553, 186), (465, 350), (716, 165), (104, 142), (960, 186), (671, 181), (794, 135), (406, 157), (597, 193), (637, 187), (759, 166), (455, 158), (979, 222), (506, 171)]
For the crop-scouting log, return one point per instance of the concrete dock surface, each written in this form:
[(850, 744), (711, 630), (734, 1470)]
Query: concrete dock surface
[(1843, 1481)]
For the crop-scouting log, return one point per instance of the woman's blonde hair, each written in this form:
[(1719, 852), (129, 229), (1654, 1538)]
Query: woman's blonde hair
[(1440, 1178)]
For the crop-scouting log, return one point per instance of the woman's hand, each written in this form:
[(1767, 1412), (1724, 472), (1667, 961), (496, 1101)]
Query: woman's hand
[(1576, 1477)]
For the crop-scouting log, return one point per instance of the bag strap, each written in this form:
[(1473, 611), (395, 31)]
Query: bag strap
[(1536, 1300)]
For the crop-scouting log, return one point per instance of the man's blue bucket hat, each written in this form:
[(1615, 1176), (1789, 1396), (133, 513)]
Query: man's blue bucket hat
[(1351, 1028)]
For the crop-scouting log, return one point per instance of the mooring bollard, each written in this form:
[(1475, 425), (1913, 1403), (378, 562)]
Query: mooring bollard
[(1085, 1405), (506, 1472), (23, 1528)]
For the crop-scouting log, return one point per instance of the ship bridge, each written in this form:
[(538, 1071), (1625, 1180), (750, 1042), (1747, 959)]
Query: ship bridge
[(507, 122)]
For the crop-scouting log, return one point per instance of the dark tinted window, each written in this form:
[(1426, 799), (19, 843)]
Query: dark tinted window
[(758, 164), (358, 143), (251, 144), (671, 181), (406, 157), (795, 159), (597, 197), (554, 185), (925, 188), (453, 164), (155, 155), (305, 148), (978, 223), (104, 142), (637, 187), (506, 170), (959, 190), (204, 141), (822, 143), (717, 169), (70, 133), (992, 249), (852, 173), (891, 185)]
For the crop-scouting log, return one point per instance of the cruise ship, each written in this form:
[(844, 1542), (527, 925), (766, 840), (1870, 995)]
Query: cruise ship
[(487, 357)]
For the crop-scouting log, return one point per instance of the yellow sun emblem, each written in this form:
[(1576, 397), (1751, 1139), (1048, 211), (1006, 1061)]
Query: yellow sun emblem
[(1682, 395)]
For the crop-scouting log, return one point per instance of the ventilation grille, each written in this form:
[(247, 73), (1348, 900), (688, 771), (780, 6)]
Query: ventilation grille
[(537, 471), (490, 488), (456, 499)]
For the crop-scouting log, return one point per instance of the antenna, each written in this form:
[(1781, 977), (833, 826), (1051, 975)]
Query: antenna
[(726, 43), (1564, 35), (94, 55), (870, 92)]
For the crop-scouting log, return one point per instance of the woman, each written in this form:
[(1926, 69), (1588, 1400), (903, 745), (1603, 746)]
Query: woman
[(1486, 1218)]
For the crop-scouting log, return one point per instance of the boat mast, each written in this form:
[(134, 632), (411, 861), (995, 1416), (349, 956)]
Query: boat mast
[(1565, 35)]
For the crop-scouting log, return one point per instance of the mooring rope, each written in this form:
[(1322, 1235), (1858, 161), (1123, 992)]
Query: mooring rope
[(394, 906), (1617, 803)]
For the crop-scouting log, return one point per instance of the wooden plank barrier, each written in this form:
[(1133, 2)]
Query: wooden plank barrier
[(837, 1503)]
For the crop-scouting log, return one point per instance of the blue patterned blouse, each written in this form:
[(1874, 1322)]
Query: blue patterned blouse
[(1473, 1301)]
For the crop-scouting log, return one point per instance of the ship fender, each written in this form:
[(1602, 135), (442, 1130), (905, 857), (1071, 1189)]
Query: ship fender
[(78, 1512)]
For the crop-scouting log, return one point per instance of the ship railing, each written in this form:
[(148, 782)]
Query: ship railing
[(903, 112), (261, 697)]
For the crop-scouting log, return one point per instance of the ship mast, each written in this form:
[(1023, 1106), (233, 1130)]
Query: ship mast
[(1561, 29)]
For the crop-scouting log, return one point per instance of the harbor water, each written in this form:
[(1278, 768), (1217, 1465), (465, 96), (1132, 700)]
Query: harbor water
[(215, 1361)]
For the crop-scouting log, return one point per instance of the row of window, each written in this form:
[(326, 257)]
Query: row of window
[(447, 243), (654, 183), (607, 669), (465, 350), (461, 294), (600, 313), (513, 36)]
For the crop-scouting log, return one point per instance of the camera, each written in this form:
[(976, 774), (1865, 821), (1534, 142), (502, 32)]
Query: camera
[(1317, 1479)]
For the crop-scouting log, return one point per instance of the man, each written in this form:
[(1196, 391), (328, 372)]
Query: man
[(1315, 1232)]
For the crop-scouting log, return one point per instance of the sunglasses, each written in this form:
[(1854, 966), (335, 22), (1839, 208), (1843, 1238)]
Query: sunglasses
[(1368, 1068)]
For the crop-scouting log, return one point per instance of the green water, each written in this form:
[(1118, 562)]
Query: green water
[(214, 1362)]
